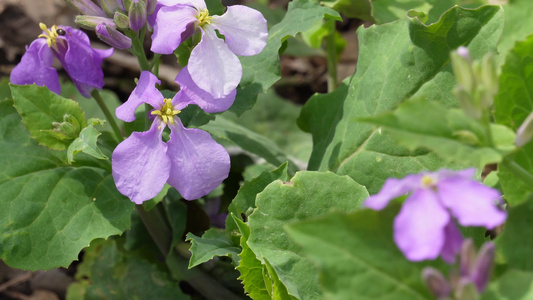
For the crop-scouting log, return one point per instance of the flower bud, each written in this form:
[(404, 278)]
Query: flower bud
[(112, 37), (525, 132), (137, 14), (110, 6), (467, 258), (482, 269), (90, 22), (86, 7), (68, 129), (436, 282), (150, 6), (122, 21), (466, 290)]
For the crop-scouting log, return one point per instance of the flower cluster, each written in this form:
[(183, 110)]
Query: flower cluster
[(425, 227), (73, 49)]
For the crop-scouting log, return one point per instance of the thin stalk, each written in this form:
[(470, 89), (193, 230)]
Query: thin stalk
[(518, 171), (158, 229), (137, 49), (96, 95), (331, 56)]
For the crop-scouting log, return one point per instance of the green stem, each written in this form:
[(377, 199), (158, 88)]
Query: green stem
[(155, 223), (518, 171), (331, 56), (137, 49), (96, 95)]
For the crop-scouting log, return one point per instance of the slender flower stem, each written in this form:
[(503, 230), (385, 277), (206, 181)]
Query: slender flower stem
[(157, 227), (518, 171), (96, 95), (137, 49), (331, 56)]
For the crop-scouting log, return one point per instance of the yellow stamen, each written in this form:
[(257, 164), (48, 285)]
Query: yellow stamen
[(427, 181), (167, 112), (204, 17), (49, 35)]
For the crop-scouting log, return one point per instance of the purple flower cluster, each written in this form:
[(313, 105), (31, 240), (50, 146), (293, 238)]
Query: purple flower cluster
[(425, 227), (73, 49)]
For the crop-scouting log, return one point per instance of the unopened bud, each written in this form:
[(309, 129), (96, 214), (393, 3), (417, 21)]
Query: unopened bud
[(483, 267), (137, 14), (525, 132), (110, 6), (436, 282), (69, 128), (122, 21), (466, 290), (112, 37), (467, 258), (488, 77), (90, 22), (150, 6), (86, 7)]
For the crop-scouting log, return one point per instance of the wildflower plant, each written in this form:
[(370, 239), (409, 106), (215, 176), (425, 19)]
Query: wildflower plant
[(412, 178)]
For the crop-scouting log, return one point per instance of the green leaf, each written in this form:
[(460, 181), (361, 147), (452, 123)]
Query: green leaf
[(50, 210), (213, 242), (251, 269), (395, 62), (385, 11), (358, 9), (52, 120), (259, 72), (357, 257), (90, 106), (86, 142), (244, 202), (449, 133), (518, 24), (248, 140), (512, 285), (307, 195), (516, 241), (109, 273), (513, 103)]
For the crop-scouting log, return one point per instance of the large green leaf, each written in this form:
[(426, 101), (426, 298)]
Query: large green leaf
[(513, 103), (43, 111), (518, 24), (449, 133), (259, 72), (357, 257), (307, 195), (395, 62), (50, 211)]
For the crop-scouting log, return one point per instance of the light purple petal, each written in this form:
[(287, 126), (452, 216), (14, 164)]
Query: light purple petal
[(471, 202), (245, 29), (199, 164), (36, 67), (452, 242), (82, 62), (144, 92), (140, 165), (419, 227), (393, 188), (213, 67), (190, 93), (445, 173), (173, 25)]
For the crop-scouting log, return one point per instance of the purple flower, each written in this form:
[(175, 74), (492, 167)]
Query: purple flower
[(191, 161), (424, 228), (73, 49), (213, 63)]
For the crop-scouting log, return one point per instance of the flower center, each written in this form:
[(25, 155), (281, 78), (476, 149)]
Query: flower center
[(167, 112), (204, 17), (428, 181), (51, 34)]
